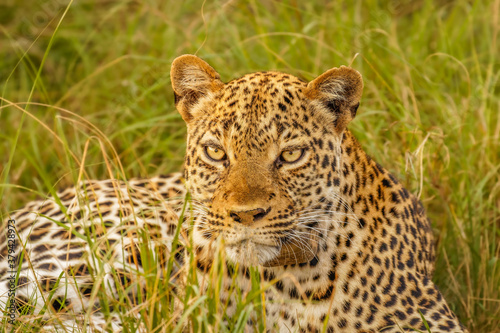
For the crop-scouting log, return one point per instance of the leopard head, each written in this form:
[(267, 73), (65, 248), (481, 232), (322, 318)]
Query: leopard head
[(263, 158)]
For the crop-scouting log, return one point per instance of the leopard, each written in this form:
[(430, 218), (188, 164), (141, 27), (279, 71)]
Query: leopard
[(278, 184)]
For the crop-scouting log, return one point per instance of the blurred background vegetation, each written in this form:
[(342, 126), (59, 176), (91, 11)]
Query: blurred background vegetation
[(97, 76)]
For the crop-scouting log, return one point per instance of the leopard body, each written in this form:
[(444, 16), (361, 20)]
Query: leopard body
[(278, 183)]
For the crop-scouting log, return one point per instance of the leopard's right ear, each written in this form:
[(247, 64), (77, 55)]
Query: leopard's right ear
[(192, 80), (336, 94)]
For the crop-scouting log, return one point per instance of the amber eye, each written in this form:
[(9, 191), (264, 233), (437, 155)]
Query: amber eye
[(215, 153), (291, 156)]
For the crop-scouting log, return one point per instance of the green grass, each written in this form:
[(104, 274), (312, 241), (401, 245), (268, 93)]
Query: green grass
[(97, 75)]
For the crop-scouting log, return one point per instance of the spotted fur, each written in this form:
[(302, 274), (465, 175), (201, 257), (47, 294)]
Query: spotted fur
[(344, 244)]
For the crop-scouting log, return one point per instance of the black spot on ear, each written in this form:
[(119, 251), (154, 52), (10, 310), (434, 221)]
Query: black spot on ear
[(334, 106), (354, 109)]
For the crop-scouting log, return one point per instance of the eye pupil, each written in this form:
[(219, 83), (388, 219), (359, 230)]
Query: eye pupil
[(214, 153), (291, 156)]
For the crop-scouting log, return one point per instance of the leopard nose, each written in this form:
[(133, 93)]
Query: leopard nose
[(248, 216)]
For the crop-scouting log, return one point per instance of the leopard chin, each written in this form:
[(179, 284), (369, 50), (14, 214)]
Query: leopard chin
[(248, 252)]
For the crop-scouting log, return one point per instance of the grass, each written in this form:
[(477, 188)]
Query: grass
[(96, 75)]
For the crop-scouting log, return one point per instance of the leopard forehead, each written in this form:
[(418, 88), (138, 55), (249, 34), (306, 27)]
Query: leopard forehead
[(256, 111), (265, 85), (259, 97)]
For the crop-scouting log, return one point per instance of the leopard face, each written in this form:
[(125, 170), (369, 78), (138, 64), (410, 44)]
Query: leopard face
[(263, 158)]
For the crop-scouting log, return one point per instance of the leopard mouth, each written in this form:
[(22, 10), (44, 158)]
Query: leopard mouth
[(254, 246)]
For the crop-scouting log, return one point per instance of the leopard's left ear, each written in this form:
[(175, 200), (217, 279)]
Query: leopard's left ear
[(337, 93), (192, 80)]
